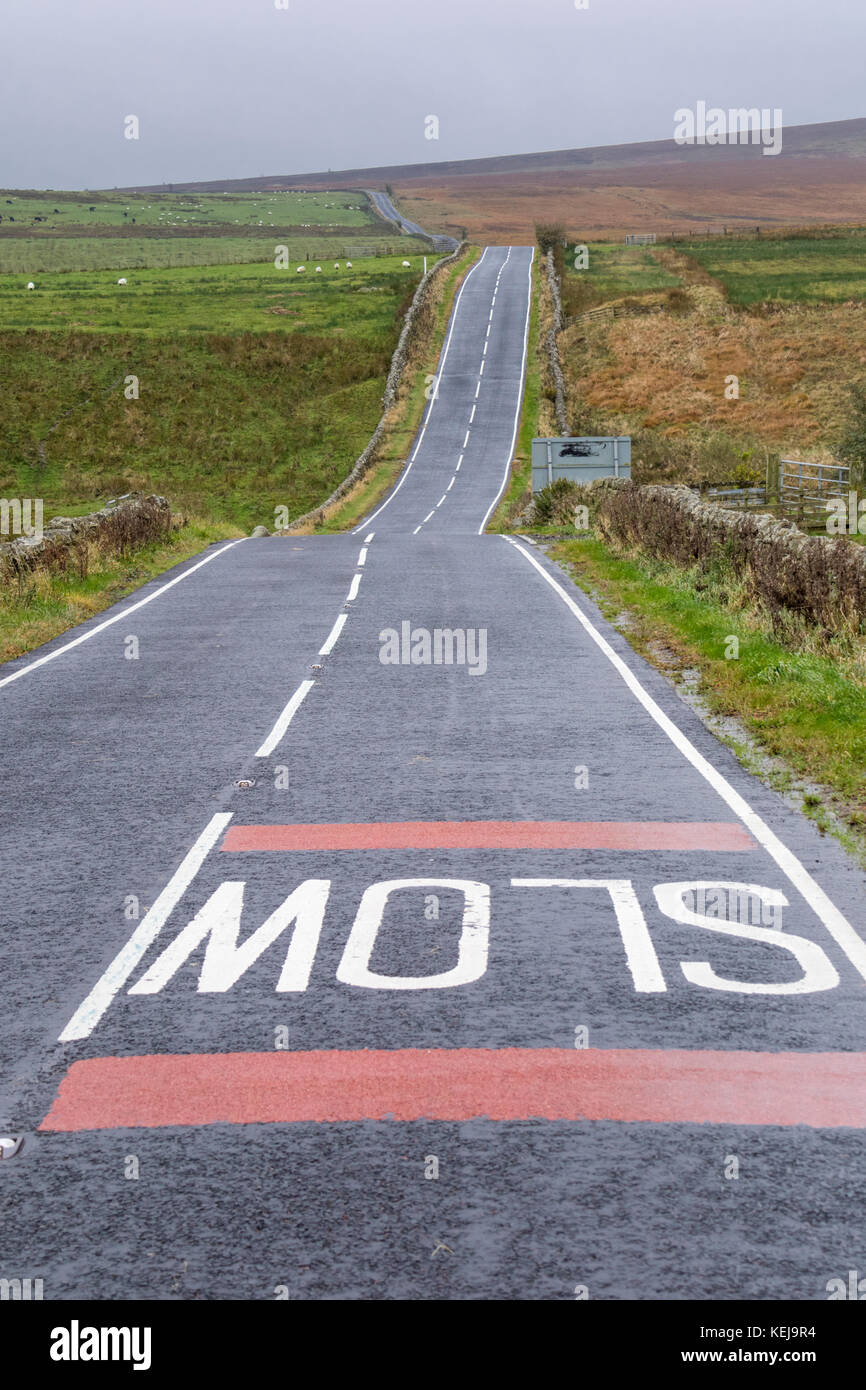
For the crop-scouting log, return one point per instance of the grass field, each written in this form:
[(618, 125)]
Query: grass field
[(215, 299), (29, 257), (615, 270), (806, 269), (61, 212)]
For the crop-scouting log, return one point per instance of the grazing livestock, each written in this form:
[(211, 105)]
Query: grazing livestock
[(301, 269), (336, 265), (122, 281), (348, 265), (30, 285), (406, 263), (318, 270)]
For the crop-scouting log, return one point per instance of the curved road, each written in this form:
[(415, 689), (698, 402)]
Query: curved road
[(389, 211), (338, 967)]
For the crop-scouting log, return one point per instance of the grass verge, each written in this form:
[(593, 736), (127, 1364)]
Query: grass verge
[(42, 606), (805, 709)]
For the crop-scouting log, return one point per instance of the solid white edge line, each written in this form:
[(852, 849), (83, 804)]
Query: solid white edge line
[(276, 735), (836, 924), (433, 399), (85, 636), (506, 474), (88, 1013), (333, 635)]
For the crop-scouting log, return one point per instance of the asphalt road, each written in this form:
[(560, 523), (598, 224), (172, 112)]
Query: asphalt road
[(337, 971), (387, 209)]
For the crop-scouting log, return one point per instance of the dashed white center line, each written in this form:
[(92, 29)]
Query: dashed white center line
[(353, 589), (481, 370), (428, 516), (485, 349), (466, 440), (417, 529), (487, 334), (472, 416), (285, 719), (333, 634), (362, 558), (477, 390), (442, 499), (367, 539), (459, 461), (451, 484)]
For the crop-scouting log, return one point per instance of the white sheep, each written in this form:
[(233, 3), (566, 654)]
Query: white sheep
[(122, 280), (336, 265), (318, 270), (301, 268), (348, 265), (406, 264), (30, 285)]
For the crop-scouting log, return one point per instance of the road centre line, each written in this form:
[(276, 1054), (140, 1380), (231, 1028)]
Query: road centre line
[(459, 461), (367, 539), (477, 390), (275, 737), (507, 471), (85, 636), (466, 440), (442, 498), (353, 588), (362, 558), (451, 484), (849, 941), (333, 635), (433, 399)]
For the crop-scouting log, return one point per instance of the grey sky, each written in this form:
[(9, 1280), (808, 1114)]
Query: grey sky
[(234, 88)]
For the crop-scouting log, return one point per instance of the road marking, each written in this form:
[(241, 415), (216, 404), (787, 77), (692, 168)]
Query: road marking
[(835, 922), (417, 529), (477, 390), (481, 370), (367, 539), (459, 461), (819, 1089), (451, 484), (723, 836), (466, 440), (362, 557), (442, 499), (507, 471), (485, 349), (275, 737), (433, 399), (88, 1014), (353, 588), (332, 636), (427, 517), (118, 617), (472, 416)]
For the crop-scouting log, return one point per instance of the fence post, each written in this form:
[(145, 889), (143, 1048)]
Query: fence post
[(773, 494)]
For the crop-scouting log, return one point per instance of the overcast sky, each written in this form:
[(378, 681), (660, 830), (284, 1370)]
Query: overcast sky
[(238, 88)]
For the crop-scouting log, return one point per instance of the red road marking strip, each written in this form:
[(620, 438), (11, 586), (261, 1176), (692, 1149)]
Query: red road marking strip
[(821, 1089), (493, 834)]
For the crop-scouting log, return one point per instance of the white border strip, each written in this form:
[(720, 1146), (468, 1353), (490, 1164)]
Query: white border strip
[(433, 399), (494, 504), (837, 925), (92, 632), (88, 1014)]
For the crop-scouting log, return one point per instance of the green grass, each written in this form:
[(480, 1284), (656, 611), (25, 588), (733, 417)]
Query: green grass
[(168, 211), (805, 708), (29, 257), (216, 298), (614, 270), (798, 269)]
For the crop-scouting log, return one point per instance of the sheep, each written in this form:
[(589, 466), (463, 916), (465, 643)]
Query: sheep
[(318, 270), (407, 265), (301, 268), (348, 265), (30, 285), (122, 281)]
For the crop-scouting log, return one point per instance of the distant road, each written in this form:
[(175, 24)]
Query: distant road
[(387, 209)]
